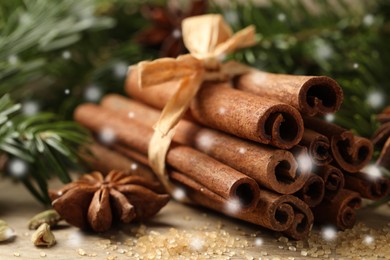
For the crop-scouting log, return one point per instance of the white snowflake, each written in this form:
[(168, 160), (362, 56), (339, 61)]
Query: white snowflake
[(375, 99), (179, 194), (368, 240), (92, 93), (242, 150), (205, 142), (281, 17), (231, 17), (133, 166), (66, 55), (176, 33), (221, 110), (323, 50), (75, 239), (107, 136), (25, 19), (196, 244), (233, 206), (329, 233), (329, 117), (131, 114), (17, 168), (305, 164), (368, 20), (120, 69), (373, 171), (67, 91), (259, 241), (13, 59), (356, 65), (30, 108)]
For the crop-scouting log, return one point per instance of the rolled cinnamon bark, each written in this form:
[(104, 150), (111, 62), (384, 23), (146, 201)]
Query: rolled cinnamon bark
[(219, 106), (341, 211), (333, 179), (384, 157), (351, 153), (369, 188), (284, 213), (272, 168), (381, 134), (313, 191), (221, 179), (318, 147), (311, 95)]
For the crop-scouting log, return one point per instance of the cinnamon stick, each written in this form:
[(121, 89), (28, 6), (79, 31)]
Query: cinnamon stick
[(272, 168), (351, 153), (313, 191), (276, 212), (311, 95), (368, 187), (381, 134), (219, 106), (221, 179), (341, 211), (384, 157), (318, 147), (333, 179)]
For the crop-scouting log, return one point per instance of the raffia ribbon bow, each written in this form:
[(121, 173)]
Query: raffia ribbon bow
[(208, 38)]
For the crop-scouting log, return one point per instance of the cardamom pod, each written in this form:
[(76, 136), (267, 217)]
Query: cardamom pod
[(6, 232), (43, 236), (50, 217)]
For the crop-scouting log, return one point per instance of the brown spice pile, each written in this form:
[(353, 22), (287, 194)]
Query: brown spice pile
[(356, 243)]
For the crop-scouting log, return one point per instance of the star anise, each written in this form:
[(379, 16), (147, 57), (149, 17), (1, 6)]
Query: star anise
[(381, 138), (165, 31), (95, 201)]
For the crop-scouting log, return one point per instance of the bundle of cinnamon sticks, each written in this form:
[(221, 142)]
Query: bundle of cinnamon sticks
[(254, 149)]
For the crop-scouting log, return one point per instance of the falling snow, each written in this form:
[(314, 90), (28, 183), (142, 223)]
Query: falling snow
[(131, 114), (231, 17), (67, 91), (373, 171), (368, 20), (375, 99), (205, 142), (242, 150), (176, 33), (30, 108), (66, 55), (368, 240), (356, 65), (259, 241), (323, 50), (13, 59), (120, 70), (133, 166), (179, 194), (329, 117), (107, 136), (329, 233), (222, 110), (281, 17), (74, 239), (305, 163), (92, 93), (17, 168), (196, 244), (233, 206)]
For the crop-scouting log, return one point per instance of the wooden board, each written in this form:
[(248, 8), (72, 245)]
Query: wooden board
[(17, 206)]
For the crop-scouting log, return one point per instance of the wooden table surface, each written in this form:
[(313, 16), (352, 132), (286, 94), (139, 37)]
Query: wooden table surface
[(17, 206)]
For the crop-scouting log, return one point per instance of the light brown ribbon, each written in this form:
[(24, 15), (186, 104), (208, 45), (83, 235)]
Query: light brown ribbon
[(208, 38)]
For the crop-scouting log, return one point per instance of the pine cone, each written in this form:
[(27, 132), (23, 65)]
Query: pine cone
[(381, 138), (94, 201)]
